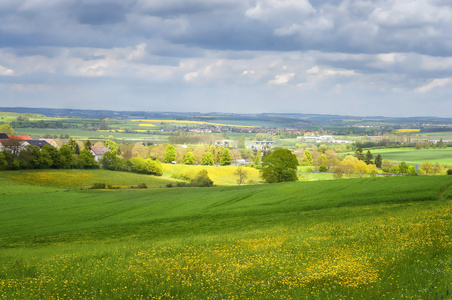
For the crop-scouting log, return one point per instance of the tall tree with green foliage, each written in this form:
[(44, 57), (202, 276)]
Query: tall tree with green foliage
[(359, 153), (378, 161), (53, 155), (403, 167), (112, 146), (207, 159), (280, 166), (66, 161), (257, 159), (6, 128), (86, 159), (369, 158), (88, 145), (307, 158), (189, 158), (225, 158), (170, 154)]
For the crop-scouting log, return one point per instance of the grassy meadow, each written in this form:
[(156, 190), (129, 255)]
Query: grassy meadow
[(385, 238), (220, 175), (83, 179), (413, 156)]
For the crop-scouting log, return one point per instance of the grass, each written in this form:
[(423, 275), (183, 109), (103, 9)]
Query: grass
[(78, 179), (85, 134), (413, 156), (386, 238), (220, 175)]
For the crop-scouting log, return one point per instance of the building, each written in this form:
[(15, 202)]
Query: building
[(98, 152), (39, 143)]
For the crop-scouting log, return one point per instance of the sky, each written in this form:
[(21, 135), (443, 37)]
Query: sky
[(347, 57)]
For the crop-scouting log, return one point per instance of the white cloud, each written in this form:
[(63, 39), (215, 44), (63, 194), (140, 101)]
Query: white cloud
[(410, 13), (191, 76), (5, 71), (282, 79), (280, 10), (435, 83)]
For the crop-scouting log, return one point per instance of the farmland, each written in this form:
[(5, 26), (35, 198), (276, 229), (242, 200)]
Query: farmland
[(359, 238), (413, 156)]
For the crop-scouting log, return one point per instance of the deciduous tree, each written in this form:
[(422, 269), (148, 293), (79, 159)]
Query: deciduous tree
[(170, 154), (207, 159), (280, 165), (241, 174), (6, 128), (225, 158), (189, 158)]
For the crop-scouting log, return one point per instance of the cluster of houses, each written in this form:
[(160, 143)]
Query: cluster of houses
[(22, 141), (19, 142), (322, 139)]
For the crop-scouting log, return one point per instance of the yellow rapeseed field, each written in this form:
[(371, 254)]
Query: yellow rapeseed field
[(187, 122), (407, 130)]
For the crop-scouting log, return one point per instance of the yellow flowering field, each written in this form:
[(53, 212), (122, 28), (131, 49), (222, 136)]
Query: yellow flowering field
[(146, 122), (407, 130), (85, 178), (219, 243)]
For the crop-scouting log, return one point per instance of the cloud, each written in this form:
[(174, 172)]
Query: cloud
[(5, 71), (435, 83), (282, 78), (192, 54)]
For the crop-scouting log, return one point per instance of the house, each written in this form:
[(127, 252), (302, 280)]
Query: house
[(51, 142), (98, 152), (15, 146), (4, 136), (20, 137), (39, 143)]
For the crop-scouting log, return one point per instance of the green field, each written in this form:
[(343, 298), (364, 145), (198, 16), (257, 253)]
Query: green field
[(413, 156), (220, 175), (385, 238), (82, 179), (85, 134)]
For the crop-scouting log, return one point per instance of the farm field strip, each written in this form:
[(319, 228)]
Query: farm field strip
[(414, 156)]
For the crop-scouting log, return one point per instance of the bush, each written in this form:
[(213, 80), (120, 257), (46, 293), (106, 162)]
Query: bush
[(98, 185), (449, 171), (202, 180), (142, 186), (323, 168)]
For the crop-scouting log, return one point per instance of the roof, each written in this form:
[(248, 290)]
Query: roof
[(99, 150), (11, 143), (50, 141), (38, 143), (4, 136), (20, 137)]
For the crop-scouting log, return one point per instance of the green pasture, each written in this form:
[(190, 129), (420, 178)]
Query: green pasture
[(413, 156), (79, 179), (220, 175), (85, 134), (434, 134), (385, 238)]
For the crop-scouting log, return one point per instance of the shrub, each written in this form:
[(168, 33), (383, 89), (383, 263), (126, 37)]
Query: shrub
[(323, 168), (449, 171), (202, 180), (142, 186), (98, 185)]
